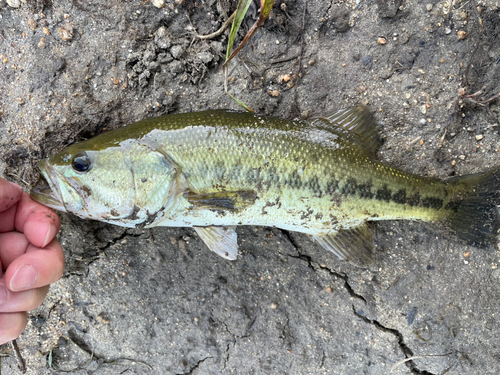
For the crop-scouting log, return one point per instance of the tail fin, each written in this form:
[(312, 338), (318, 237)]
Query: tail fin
[(473, 213)]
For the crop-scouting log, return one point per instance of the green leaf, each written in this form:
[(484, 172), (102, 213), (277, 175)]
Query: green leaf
[(242, 9)]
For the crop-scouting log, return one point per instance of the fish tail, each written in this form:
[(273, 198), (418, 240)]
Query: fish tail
[(472, 211)]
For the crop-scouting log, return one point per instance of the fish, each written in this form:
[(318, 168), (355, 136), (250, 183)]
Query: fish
[(218, 169)]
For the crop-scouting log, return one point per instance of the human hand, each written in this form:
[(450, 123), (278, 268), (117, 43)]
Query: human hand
[(31, 258)]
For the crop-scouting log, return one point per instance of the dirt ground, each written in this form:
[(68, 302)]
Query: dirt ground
[(158, 301)]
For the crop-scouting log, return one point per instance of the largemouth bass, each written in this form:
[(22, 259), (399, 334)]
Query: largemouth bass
[(215, 170)]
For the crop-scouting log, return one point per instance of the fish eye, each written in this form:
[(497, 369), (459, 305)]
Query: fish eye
[(81, 162)]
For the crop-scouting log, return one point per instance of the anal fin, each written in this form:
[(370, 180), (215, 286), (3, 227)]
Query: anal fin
[(354, 245), (221, 240)]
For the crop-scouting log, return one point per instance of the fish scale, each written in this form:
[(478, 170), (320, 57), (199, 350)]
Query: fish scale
[(215, 170)]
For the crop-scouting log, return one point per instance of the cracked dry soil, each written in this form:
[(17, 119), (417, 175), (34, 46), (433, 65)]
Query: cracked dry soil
[(157, 301)]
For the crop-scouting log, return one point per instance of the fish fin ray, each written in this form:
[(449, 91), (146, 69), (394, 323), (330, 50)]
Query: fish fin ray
[(354, 245), (221, 240), (223, 200), (355, 124), (473, 214)]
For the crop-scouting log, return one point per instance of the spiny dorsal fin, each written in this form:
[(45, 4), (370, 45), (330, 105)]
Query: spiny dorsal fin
[(354, 245), (221, 240), (355, 124)]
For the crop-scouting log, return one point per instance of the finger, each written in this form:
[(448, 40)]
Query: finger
[(21, 301), (7, 219), (9, 194), (11, 325), (39, 224), (36, 268), (12, 246)]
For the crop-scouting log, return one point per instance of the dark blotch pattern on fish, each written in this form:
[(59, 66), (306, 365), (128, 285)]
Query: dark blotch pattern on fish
[(365, 191), (431, 202)]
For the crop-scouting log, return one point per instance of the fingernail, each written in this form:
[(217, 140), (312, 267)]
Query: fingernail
[(50, 235), (24, 277)]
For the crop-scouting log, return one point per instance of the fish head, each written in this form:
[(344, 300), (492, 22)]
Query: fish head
[(89, 182)]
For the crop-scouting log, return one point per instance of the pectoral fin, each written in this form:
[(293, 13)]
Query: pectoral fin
[(354, 245), (223, 200), (221, 240)]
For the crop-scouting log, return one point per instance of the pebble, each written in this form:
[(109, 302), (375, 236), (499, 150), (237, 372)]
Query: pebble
[(479, 137), (177, 51), (461, 35), (447, 30), (462, 157), (283, 78), (66, 32), (274, 306), (496, 274), (14, 3), (429, 7), (382, 40), (158, 3)]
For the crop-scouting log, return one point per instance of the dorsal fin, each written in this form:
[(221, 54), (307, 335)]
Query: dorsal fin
[(355, 124)]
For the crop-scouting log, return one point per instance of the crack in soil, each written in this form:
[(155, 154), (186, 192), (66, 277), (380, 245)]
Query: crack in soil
[(314, 266), (404, 348), (196, 365), (80, 342)]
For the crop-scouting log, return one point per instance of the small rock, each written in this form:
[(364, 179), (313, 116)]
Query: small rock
[(14, 3), (206, 57), (429, 7), (158, 3), (32, 24), (66, 32), (162, 39), (177, 51), (283, 78), (462, 157), (496, 273), (382, 40), (479, 137), (461, 35), (447, 30), (273, 306)]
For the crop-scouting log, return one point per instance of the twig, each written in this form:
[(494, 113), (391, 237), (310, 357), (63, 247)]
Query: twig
[(17, 353), (218, 32), (396, 365), (284, 59)]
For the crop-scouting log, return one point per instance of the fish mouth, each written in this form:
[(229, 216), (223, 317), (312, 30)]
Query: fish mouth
[(48, 195)]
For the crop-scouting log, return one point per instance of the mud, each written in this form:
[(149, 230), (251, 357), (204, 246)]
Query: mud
[(157, 301)]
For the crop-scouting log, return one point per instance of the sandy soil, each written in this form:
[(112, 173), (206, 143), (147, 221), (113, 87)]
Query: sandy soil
[(158, 301)]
